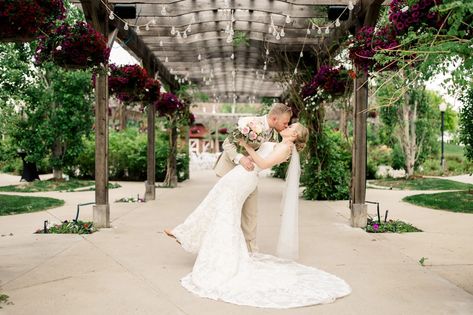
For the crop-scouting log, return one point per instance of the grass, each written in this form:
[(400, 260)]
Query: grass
[(458, 201), (24, 204), (51, 185), (422, 184)]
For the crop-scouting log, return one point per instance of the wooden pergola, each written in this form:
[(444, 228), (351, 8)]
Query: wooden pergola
[(226, 48)]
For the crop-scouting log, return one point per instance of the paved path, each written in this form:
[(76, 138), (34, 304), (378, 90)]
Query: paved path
[(132, 268)]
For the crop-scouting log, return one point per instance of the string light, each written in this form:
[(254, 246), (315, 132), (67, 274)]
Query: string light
[(161, 43), (125, 27), (199, 57), (350, 5), (288, 19), (337, 23), (111, 15), (327, 30), (163, 11)]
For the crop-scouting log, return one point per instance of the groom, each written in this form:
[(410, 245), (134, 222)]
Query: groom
[(276, 120)]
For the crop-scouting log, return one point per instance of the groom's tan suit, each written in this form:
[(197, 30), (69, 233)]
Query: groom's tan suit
[(231, 158)]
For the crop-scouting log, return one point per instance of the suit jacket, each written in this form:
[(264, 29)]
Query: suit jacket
[(225, 162)]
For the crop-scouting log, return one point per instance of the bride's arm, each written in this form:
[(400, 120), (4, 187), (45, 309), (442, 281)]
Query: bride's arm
[(279, 155)]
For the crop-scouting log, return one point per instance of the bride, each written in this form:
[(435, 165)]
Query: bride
[(224, 270)]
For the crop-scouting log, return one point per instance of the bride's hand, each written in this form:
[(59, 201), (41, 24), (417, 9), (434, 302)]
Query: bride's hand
[(243, 143)]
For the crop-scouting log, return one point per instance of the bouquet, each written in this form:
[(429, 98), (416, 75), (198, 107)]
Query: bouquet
[(251, 132)]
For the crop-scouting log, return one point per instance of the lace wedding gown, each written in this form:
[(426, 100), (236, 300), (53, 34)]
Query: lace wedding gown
[(224, 270)]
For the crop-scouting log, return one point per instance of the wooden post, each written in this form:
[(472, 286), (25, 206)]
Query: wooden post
[(150, 184), (359, 208), (367, 16), (101, 210)]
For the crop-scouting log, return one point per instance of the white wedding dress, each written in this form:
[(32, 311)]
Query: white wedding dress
[(224, 270)]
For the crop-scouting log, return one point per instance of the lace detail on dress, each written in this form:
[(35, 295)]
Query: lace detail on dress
[(224, 270)]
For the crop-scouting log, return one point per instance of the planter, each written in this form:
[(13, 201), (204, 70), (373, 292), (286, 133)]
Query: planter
[(25, 20), (78, 46)]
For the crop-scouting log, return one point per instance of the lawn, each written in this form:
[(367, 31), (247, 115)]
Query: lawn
[(458, 201), (51, 185), (24, 204), (422, 184)]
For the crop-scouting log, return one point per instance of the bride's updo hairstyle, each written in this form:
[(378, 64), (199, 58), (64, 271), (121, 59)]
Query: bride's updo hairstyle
[(302, 136)]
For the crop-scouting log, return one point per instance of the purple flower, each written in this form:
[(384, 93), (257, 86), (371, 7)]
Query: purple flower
[(375, 227)]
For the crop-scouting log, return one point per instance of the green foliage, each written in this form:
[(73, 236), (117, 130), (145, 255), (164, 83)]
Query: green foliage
[(466, 124), (392, 98), (71, 227), (127, 157), (10, 204), (456, 201), (326, 174), (4, 300), (241, 38), (44, 111), (391, 226), (279, 171)]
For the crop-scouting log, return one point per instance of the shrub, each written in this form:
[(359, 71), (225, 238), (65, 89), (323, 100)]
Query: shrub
[(127, 157), (326, 176)]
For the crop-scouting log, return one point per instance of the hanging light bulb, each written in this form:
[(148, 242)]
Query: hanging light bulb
[(199, 57), (147, 27), (178, 35), (265, 67), (282, 33), (161, 43), (288, 19), (111, 16), (308, 31), (278, 37), (138, 29), (171, 71), (125, 27), (184, 34), (173, 30), (327, 30), (350, 5), (232, 56), (166, 59), (295, 70), (337, 22), (201, 70), (290, 81), (229, 39), (275, 32), (270, 29), (313, 26), (302, 54), (267, 52), (319, 31), (163, 10), (153, 21)]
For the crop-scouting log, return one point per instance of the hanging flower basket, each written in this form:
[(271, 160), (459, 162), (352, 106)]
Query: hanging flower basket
[(152, 91), (169, 104), (128, 83), (367, 42), (328, 83), (78, 46), (24, 20), (403, 16)]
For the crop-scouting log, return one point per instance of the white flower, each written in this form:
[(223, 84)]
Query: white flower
[(59, 47), (405, 8)]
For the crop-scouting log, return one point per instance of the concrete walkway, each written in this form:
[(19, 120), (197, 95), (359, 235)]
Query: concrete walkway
[(132, 268)]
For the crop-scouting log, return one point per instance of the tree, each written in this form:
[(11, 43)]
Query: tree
[(411, 115), (56, 107), (466, 124)]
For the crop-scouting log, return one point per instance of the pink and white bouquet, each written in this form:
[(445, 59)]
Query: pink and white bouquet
[(250, 131)]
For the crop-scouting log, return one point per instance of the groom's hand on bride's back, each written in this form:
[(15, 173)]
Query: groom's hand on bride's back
[(247, 163)]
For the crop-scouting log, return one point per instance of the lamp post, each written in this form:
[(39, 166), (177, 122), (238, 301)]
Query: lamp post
[(443, 108)]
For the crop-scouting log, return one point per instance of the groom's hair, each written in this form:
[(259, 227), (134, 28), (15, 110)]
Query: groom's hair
[(279, 109)]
